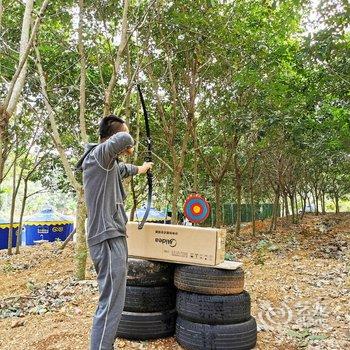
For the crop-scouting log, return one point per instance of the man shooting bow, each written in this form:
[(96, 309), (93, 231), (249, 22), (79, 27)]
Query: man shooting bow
[(106, 226)]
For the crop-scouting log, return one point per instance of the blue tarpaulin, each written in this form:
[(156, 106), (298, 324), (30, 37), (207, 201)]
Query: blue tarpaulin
[(4, 233), (47, 225), (153, 216)]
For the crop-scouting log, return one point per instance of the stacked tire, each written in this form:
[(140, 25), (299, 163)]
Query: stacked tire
[(149, 311), (213, 309)]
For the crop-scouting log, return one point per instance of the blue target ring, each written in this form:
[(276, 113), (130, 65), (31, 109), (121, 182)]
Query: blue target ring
[(196, 208)]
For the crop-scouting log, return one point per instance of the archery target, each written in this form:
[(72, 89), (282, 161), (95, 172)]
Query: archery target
[(196, 208)]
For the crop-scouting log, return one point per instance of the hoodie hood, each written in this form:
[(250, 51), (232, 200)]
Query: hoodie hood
[(87, 149)]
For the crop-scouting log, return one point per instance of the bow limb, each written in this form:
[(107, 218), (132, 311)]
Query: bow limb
[(148, 159)]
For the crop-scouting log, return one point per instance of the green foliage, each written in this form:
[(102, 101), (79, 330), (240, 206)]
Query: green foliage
[(270, 99)]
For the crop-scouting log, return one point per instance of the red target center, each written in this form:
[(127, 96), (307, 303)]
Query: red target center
[(196, 209)]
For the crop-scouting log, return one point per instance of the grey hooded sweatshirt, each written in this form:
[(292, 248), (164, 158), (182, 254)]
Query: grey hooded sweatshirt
[(104, 192)]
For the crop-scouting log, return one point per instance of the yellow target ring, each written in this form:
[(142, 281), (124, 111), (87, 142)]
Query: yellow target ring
[(196, 209)]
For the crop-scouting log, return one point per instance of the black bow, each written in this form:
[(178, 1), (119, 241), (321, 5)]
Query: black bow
[(148, 159)]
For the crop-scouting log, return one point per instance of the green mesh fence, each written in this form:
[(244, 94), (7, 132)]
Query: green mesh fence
[(229, 213)]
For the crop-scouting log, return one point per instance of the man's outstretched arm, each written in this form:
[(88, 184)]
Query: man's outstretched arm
[(130, 169), (127, 170)]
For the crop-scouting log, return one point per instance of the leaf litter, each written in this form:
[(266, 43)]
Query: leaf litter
[(298, 278)]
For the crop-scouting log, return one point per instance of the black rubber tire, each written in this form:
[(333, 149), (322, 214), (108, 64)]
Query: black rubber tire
[(197, 336), (213, 309), (145, 326), (145, 273), (150, 299), (208, 280)]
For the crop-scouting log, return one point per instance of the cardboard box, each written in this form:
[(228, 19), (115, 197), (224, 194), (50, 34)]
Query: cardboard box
[(176, 243)]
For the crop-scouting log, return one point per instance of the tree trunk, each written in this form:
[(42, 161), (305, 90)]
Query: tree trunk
[(82, 87), (4, 147), (275, 212), (239, 204), (13, 203), (252, 202), (17, 89), (55, 132), (286, 206), (323, 202), (116, 61), (80, 247), (128, 90), (13, 93), (175, 196), (2, 155), (1, 12), (24, 200), (336, 199), (316, 199), (178, 166), (25, 191), (195, 158), (81, 251), (303, 201), (218, 204), (238, 188), (296, 207), (7, 107)]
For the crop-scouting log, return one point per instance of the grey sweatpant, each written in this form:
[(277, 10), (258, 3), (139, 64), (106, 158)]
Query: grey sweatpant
[(110, 261)]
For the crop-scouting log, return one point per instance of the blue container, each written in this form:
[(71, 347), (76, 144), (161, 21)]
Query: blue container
[(47, 225), (4, 233)]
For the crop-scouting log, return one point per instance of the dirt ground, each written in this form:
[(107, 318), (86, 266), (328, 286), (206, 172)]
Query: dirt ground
[(298, 279)]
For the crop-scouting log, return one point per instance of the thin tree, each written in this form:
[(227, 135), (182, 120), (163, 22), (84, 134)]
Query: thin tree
[(15, 86)]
